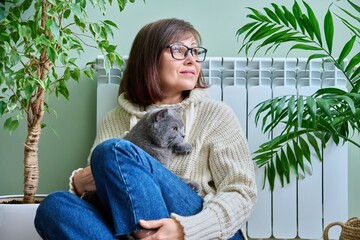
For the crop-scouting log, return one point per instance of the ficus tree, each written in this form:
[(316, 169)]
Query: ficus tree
[(308, 123), (40, 42)]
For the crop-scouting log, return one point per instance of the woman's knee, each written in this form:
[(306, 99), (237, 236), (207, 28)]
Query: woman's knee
[(49, 207), (54, 200), (108, 150)]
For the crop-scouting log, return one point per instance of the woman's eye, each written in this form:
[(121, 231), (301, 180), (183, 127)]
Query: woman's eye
[(195, 51), (176, 49)]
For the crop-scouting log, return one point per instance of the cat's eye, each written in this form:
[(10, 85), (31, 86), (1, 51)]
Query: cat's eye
[(175, 129)]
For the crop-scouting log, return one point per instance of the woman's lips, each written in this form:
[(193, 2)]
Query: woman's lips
[(188, 72)]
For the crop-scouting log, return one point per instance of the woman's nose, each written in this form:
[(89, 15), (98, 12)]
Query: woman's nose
[(190, 59)]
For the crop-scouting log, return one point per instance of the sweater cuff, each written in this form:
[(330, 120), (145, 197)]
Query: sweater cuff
[(71, 181), (201, 226)]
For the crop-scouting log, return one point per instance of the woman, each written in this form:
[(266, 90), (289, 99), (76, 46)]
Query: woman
[(138, 196)]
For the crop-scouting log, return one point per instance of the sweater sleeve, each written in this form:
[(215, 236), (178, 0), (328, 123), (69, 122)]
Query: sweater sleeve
[(229, 207), (113, 125)]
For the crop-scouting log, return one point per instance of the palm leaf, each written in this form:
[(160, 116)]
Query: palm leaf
[(280, 14), (314, 22), (329, 30), (290, 18), (307, 123), (346, 49), (354, 61)]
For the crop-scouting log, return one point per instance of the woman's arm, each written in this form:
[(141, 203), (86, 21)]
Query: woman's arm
[(231, 197), (82, 181), (114, 125)]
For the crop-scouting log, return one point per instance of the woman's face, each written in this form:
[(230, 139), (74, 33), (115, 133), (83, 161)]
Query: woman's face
[(177, 76)]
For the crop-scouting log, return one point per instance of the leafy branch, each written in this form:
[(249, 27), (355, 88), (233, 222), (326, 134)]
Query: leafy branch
[(307, 123), (39, 54)]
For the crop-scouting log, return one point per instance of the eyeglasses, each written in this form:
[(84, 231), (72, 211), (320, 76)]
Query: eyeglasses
[(180, 52)]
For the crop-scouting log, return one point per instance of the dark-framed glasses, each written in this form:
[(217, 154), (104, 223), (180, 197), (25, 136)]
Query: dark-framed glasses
[(180, 51)]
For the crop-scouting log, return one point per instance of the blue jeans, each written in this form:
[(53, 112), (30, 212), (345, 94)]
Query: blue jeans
[(131, 185)]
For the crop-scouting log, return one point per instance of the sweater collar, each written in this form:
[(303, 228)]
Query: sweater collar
[(136, 112), (196, 96)]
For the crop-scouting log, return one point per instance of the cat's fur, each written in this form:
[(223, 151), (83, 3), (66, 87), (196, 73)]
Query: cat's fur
[(160, 133)]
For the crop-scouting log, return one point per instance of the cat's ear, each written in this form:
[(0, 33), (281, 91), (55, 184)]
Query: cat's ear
[(161, 114)]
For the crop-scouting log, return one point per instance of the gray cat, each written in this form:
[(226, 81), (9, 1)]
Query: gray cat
[(161, 133)]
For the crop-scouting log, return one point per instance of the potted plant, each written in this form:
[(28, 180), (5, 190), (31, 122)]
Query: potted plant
[(308, 123), (40, 42)]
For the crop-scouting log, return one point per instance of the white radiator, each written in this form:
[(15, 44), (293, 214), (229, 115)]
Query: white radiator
[(303, 208)]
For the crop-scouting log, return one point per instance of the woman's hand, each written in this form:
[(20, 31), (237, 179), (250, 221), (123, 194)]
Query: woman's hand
[(83, 181), (167, 228)]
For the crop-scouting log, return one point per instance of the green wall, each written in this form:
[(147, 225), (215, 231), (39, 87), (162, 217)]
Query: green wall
[(75, 121)]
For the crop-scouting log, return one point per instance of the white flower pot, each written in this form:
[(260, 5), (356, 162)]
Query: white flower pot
[(17, 220)]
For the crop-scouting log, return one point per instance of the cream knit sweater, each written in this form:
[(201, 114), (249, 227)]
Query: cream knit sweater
[(220, 162)]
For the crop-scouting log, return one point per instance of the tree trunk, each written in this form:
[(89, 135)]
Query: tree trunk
[(31, 167)]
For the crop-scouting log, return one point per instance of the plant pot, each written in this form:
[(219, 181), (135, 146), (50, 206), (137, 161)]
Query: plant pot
[(17, 220)]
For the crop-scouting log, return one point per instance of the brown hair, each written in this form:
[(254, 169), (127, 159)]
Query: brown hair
[(141, 81)]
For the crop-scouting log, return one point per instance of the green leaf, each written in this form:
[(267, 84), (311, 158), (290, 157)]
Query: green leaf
[(352, 63), (285, 165), (315, 56), (324, 106), (290, 17), (2, 108), (349, 102), (63, 57), (259, 16), (280, 14), (272, 15), (279, 169), (276, 37), (26, 4), (245, 28), (14, 58), (305, 47), (76, 10), (54, 28), (356, 74), (89, 73), (292, 160), (51, 54), (111, 23), (291, 107), (329, 30), (299, 155), (355, 6), (298, 13), (271, 175), (67, 13), (314, 144), (300, 110), (307, 25), (121, 4), (346, 49), (314, 22), (305, 149), (311, 105), (11, 125), (262, 32), (75, 74)]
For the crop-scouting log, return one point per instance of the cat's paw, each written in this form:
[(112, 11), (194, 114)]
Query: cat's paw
[(195, 186), (183, 148)]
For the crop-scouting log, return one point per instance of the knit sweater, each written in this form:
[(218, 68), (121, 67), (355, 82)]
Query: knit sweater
[(220, 161)]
